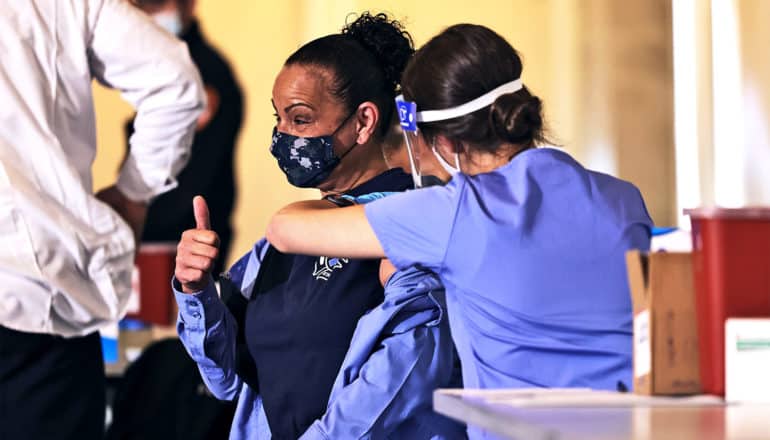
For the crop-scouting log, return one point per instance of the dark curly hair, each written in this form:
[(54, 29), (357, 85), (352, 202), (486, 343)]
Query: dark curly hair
[(365, 61)]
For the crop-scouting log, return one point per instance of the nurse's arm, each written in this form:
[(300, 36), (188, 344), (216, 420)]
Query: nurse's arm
[(318, 227)]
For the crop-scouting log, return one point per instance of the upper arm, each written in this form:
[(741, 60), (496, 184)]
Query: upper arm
[(408, 228), (320, 228), (414, 228)]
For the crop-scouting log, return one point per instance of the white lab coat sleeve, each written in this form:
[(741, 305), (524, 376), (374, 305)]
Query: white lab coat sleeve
[(153, 71)]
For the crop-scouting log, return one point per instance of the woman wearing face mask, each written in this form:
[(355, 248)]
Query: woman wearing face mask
[(291, 345), (529, 244)]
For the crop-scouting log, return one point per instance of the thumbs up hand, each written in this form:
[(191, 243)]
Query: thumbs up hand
[(197, 251)]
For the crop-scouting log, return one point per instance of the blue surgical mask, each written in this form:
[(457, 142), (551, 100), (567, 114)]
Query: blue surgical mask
[(170, 21), (306, 161)]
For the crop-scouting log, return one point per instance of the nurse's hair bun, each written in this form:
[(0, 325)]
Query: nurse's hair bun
[(386, 40), (460, 64), (518, 117)]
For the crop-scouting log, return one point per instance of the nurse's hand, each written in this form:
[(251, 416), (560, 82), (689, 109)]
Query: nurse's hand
[(197, 251)]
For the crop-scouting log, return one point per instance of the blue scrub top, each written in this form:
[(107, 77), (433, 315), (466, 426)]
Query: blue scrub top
[(532, 258)]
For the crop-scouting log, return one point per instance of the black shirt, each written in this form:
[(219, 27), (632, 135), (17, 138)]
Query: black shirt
[(300, 321), (210, 169)]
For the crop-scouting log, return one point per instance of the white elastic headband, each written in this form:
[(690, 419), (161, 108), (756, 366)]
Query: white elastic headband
[(470, 106)]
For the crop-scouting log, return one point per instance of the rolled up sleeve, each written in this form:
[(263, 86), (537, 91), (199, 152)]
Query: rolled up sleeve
[(413, 228)]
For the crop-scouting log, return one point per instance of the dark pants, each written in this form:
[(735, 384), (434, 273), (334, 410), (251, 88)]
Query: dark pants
[(51, 387)]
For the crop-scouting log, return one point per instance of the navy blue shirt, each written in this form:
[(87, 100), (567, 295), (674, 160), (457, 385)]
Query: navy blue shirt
[(300, 321)]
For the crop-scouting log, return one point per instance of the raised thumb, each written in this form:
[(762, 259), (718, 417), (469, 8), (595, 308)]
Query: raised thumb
[(201, 210)]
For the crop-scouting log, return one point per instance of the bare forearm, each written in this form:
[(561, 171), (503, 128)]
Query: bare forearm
[(134, 213), (320, 228)]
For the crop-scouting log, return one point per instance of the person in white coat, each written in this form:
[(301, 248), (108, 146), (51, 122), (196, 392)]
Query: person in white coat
[(66, 254)]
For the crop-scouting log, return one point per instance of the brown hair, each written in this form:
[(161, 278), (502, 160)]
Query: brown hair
[(462, 63)]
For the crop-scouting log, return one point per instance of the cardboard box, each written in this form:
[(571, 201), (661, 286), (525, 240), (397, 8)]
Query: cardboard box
[(665, 327), (747, 360)]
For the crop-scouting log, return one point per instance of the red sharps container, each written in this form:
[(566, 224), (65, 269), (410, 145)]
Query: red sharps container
[(731, 265), (155, 264)]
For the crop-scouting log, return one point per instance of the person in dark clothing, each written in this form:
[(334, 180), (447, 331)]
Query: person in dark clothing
[(330, 353), (162, 397), (210, 170)]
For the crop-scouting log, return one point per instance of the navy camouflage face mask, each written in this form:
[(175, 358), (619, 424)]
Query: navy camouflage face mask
[(306, 161)]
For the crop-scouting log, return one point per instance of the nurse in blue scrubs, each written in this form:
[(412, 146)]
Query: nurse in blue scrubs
[(529, 244)]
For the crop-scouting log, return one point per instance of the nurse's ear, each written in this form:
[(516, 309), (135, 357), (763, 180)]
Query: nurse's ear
[(367, 119), (446, 146)]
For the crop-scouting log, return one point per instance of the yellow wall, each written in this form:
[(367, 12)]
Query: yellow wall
[(258, 36)]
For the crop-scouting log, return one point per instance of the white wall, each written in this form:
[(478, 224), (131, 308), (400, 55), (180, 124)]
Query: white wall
[(722, 90)]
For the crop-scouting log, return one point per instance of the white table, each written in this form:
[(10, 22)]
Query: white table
[(601, 416)]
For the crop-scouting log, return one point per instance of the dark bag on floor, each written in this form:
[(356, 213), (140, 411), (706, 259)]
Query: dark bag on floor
[(162, 396)]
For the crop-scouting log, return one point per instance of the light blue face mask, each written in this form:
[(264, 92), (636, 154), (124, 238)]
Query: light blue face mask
[(171, 21)]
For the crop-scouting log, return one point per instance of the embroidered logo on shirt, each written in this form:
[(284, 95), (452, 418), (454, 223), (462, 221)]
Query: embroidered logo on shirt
[(325, 266)]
